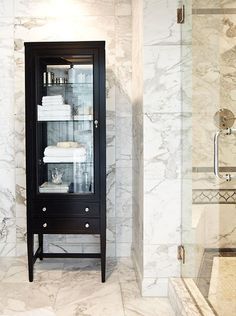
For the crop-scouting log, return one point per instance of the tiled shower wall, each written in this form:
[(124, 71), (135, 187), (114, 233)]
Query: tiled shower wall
[(72, 20)]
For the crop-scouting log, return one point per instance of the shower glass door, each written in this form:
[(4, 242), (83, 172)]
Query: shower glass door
[(209, 107)]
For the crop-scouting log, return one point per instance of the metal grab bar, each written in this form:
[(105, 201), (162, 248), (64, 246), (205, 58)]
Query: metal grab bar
[(226, 176)]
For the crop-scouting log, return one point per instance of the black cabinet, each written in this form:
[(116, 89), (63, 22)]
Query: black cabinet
[(65, 144)]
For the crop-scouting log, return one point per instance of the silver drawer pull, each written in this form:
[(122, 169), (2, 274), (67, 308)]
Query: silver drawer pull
[(44, 209), (45, 225), (86, 209), (86, 225)]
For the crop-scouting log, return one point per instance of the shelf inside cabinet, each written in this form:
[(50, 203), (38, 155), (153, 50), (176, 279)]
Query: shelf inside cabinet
[(81, 118), (49, 85)]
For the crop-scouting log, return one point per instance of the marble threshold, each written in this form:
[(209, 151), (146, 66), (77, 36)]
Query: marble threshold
[(184, 303)]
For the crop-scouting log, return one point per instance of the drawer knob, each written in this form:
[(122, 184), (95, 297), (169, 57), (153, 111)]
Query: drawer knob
[(86, 209), (45, 225), (44, 209), (86, 225)]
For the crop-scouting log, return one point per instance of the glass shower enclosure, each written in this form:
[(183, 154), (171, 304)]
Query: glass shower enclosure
[(209, 152)]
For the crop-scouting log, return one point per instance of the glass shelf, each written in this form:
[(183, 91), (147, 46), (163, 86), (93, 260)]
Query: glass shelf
[(68, 84), (80, 118)]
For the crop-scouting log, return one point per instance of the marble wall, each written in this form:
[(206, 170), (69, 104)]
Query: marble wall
[(73, 20), (157, 170)]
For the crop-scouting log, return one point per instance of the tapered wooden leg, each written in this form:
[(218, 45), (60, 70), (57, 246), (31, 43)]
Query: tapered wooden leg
[(40, 238), (30, 246), (103, 257)]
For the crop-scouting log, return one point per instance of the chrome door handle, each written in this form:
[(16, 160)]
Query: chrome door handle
[(227, 176)]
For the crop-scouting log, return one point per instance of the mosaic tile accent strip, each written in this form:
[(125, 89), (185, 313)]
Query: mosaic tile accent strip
[(222, 196)]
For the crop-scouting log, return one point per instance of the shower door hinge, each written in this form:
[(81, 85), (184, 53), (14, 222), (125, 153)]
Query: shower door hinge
[(181, 253), (181, 15)]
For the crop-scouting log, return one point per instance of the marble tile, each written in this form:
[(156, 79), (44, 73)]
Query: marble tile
[(34, 8), (14, 300), (20, 192), (134, 304), (160, 261), (7, 144), (20, 141), (220, 232), (206, 63), (6, 8), (124, 138), (123, 65), (104, 299), (21, 230), (222, 285), (7, 67), (7, 192), (7, 230), (166, 30), (162, 79), (202, 4), (47, 311), (123, 229), (154, 287), (180, 298), (200, 300), (158, 215), (124, 201), (8, 249), (123, 7)]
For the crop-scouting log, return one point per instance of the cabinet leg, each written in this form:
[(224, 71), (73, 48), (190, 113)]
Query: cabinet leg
[(40, 239), (30, 246), (103, 258)]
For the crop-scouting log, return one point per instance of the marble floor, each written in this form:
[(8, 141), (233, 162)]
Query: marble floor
[(72, 287), (222, 291)]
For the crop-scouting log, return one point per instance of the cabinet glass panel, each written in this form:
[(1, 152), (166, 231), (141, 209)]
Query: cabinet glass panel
[(65, 126)]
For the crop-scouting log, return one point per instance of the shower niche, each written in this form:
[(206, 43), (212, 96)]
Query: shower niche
[(65, 144)]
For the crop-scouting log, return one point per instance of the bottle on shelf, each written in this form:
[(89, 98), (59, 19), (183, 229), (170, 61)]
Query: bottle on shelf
[(71, 74)]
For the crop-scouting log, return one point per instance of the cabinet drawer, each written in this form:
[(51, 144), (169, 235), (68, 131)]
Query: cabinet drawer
[(66, 225), (57, 209)]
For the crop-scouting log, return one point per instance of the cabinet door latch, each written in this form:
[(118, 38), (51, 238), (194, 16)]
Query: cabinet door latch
[(181, 253), (96, 123)]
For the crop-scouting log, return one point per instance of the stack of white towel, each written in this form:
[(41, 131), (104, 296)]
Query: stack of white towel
[(53, 109), (58, 154)]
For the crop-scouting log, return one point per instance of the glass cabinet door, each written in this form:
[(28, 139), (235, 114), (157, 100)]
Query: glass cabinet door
[(65, 125)]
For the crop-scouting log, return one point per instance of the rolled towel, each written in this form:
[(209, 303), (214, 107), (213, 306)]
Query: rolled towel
[(54, 151), (51, 107)]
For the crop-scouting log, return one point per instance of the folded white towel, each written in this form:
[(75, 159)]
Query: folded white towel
[(54, 113), (57, 107), (54, 118), (55, 103), (74, 159), (50, 97), (54, 151)]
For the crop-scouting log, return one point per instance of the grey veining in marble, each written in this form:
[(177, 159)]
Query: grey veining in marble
[(73, 288)]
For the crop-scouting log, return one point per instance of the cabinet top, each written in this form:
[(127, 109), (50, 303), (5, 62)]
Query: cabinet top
[(85, 44)]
